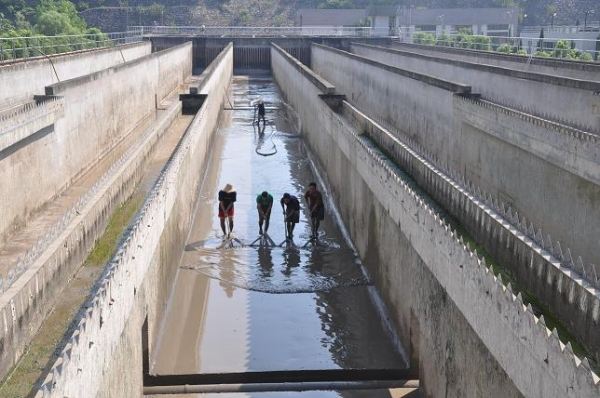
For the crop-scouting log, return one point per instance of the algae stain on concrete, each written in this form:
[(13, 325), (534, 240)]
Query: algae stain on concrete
[(44, 346)]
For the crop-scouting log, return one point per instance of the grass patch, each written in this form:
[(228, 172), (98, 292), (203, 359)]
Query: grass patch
[(107, 244), (41, 352)]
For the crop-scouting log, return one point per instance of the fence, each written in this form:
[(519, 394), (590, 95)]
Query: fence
[(260, 31), (545, 47), (12, 48)]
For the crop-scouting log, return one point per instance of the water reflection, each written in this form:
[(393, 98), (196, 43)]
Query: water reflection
[(271, 305)]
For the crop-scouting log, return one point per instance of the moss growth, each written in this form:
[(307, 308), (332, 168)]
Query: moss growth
[(107, 244), (41, 352)]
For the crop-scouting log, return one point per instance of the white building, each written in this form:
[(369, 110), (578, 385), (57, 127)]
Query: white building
[(481, 21)]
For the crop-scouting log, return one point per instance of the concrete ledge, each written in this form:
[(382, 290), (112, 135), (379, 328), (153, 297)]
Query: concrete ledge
[(25, 304), (591, 67), (566, 147), (28, 120), (454, 87), (322, 84), (569, 101), (517, 74), (29, 77), (57, 88)]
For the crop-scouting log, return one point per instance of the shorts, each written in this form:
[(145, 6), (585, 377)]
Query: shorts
[(295, 219), (223, 215), (319, 213)]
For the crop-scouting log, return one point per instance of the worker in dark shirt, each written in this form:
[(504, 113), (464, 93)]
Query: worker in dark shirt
[(259, 109), (291, 213), (264, 204), (227, 197), (316, 207)]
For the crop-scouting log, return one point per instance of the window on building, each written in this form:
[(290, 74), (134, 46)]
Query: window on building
[(425, 28), (468, 29), (497, 27)]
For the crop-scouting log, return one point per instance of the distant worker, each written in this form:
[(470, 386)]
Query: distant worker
[(259, 112), (227, 198), (291, 213), (264, 204), (316, 208)]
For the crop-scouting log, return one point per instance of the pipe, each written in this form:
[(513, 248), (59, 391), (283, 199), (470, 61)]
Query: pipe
[(272, 387)]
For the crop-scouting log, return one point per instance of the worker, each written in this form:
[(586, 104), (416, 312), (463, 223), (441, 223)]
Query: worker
[(260, 110), (227, 197), (316, 208), (264, 204), (291, 213)]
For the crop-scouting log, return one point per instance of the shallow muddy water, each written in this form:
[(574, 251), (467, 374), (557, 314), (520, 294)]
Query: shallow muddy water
[(238, 308)]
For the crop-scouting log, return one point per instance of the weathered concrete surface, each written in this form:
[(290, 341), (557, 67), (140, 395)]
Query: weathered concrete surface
[(427, 114), (551, 66), (106, 347), (469, 335), (95, 121), (25, 121), (573, 101), (25, 303), (29, 77)]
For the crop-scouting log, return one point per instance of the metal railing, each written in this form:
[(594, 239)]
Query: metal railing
[(587, 50), (592, 26), (14, 48), (263, 31)]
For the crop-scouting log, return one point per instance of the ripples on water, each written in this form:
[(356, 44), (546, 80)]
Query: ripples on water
[(289, 269)]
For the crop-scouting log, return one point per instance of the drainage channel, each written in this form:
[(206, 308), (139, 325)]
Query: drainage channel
[(265, 317)]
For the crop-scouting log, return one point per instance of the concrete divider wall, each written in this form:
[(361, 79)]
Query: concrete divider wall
[(25, 303), (506, 163), (469, 335), (103, 357), (573, 101), (101, 109), (551, 66), (563, 285), (21, 80), (428, 323)]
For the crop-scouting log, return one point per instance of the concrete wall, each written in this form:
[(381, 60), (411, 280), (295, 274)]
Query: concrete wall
[(558, 67), (105, 348), (101, 109), (255, 52), (515, 167), (468, 335), (27, 78), (572, 101), (25, 304)]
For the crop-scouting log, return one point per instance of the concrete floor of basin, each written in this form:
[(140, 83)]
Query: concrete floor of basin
[(269, 308)]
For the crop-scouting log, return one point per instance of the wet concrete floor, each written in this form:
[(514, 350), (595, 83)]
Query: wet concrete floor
[(240, 308)]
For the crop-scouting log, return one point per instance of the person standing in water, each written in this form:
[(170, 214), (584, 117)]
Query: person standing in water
[(264, 204), (291, 213), (260, 109), (227, 197), (316, 208)]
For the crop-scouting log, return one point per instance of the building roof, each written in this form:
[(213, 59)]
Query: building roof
[(329, 17), (458, 16)]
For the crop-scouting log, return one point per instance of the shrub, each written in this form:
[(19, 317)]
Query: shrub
[(444, 40), (504, 48), (424, 38), (482, 42)]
